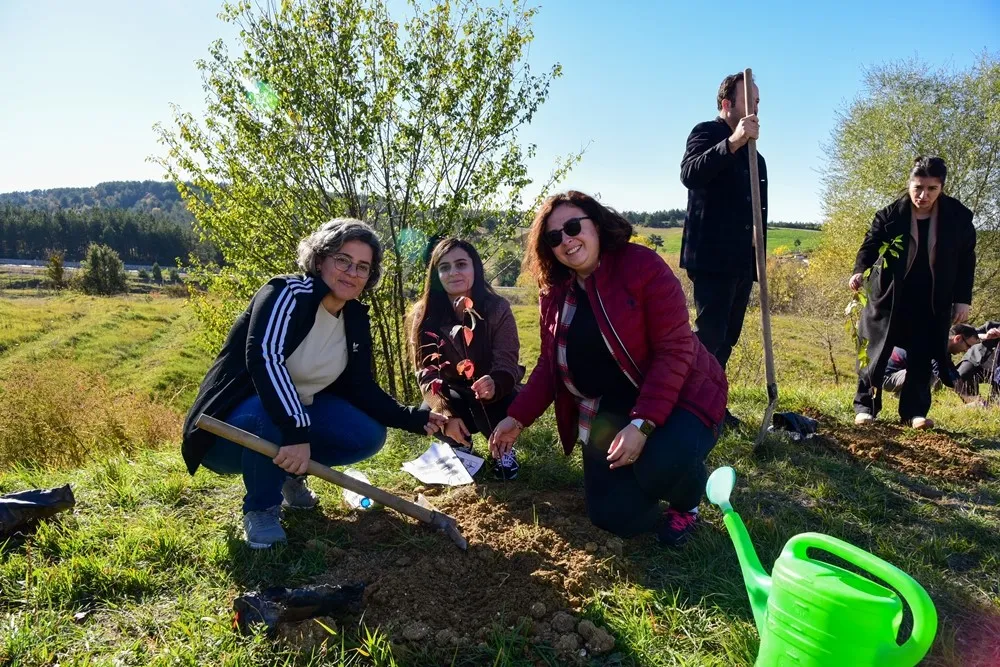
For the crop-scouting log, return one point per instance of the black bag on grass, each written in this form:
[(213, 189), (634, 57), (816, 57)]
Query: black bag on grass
[(20, 509)]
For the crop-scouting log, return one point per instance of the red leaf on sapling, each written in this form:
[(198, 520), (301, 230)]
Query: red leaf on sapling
[(436, 387), (462, 304), (467, 368), (461, 330), (434, 356)]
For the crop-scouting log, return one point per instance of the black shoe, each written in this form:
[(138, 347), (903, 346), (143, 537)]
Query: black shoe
[(676, 528), (505, 469)]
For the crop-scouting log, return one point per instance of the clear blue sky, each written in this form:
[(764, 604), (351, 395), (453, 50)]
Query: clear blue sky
[(85, 81)]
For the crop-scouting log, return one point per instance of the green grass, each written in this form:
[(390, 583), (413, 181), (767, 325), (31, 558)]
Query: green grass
[(776, 238), (154, 558)]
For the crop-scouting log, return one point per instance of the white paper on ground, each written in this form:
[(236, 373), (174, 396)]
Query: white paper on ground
[(440, 465), (471, 462)]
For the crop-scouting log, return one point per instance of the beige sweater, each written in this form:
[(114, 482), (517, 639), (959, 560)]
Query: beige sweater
[(320, 358)]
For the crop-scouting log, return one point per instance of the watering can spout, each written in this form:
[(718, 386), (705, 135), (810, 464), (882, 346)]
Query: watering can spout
[(758, 583)]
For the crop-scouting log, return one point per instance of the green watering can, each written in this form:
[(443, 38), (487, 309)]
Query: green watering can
[(813, 614)]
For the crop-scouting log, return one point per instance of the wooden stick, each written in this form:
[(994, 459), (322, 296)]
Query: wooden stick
[(761, 253), (270, 450)]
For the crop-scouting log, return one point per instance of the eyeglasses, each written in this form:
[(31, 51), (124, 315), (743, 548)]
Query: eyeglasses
[(571, 227), (344, 263)]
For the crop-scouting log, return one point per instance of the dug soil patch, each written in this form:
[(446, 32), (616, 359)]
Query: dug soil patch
[(918, 453), (533, 559)]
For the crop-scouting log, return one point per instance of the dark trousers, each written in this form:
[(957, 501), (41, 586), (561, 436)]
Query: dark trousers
[(340, 434), (626, 500), (478, 417), (915, 394), (720, 302)]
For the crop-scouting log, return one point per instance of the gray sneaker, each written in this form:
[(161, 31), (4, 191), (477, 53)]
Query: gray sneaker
[(263, 528), (297, 495)]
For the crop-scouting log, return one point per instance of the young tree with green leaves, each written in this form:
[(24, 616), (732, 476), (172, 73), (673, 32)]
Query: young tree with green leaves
[(337, 107)]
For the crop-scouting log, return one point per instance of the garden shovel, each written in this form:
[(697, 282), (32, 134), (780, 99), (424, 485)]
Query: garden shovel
[(761, 252), (424, 513)]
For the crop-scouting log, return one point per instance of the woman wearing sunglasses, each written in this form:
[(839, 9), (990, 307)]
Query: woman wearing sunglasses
[(296, 369), (474, 399), (630, 381)]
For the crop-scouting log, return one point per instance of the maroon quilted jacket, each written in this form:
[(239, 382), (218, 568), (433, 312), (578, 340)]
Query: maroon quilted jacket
[(642, 312)]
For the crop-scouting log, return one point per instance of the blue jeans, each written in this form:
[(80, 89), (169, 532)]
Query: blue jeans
[(671, 467), (340, 434)]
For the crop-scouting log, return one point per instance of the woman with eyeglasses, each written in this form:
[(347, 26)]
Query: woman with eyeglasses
[(296, 369), (475, 399), (630, 381)]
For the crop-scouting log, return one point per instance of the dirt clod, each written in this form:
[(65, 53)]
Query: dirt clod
[(416, 631), (590, 547), (568, 643), (403, 561), (538, 610), (616, 546), (446, 637), (563, 622)]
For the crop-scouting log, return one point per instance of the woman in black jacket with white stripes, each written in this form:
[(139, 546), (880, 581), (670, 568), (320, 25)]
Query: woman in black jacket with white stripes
[(296, 369)]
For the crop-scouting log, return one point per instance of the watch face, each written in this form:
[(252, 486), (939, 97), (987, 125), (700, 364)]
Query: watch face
[(647, 427)]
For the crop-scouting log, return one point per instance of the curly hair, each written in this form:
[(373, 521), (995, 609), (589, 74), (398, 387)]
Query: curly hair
[(613, 230), (330, 238)]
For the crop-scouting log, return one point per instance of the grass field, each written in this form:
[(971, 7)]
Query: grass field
[(145, 569), (776, 238)]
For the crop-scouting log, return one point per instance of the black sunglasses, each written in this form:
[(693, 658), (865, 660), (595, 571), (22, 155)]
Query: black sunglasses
[(572, 227)]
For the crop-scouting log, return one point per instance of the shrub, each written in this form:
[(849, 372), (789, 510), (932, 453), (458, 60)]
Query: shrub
[(52, 414), (102, 272)]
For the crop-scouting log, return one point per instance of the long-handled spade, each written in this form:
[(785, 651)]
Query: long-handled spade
[(423, 513), (761, 252)]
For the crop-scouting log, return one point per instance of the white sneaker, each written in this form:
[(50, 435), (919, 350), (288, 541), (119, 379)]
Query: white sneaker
[(922, 423), (863, 419)]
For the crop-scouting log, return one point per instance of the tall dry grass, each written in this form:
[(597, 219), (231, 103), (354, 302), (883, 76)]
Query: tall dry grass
[(55, 415)]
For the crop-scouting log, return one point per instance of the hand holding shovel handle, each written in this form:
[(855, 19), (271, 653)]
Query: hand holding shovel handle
[(425, 514), (761, 253)]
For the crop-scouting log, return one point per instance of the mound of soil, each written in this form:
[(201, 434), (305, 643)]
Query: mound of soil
[(532, 557), (918, 453)]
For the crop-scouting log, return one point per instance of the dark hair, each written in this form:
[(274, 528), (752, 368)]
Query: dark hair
[(613, 230), (963, 330), (727, 89), (435, 305), (929, 167)]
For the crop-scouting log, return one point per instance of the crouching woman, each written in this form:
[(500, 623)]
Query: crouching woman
[(296, 369)]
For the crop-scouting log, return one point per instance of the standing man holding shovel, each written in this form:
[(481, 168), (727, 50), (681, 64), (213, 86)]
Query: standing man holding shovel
[(717, 247)]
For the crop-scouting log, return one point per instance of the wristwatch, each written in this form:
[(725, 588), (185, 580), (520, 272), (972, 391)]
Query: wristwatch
[(645, 426)]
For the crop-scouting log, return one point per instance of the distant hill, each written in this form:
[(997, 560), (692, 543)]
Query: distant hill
[(156, 198)]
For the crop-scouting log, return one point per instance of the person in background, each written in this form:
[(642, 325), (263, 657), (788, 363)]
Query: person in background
[(717, 245), (916, 296), (296, 369), (961, 337), (630, 381), (478, 402)]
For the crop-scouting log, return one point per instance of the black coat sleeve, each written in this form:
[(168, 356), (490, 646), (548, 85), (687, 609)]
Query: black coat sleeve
[(704, 156), (359, 387), (966, 270), (872, 244), (270, 316)]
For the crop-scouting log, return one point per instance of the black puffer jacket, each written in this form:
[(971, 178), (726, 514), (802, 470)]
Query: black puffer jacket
[(253, 357)]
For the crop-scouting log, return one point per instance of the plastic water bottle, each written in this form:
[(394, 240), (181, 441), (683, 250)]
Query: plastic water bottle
[(356, 500)]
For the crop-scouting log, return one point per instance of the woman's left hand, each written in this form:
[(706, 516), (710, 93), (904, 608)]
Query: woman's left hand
[(626, 447), (435, 422), (960, 313), (485, 388)]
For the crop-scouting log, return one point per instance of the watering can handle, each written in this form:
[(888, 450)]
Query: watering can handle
[(924, 613)]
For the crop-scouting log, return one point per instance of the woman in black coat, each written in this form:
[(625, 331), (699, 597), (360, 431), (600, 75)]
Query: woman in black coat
[(915, 297)]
